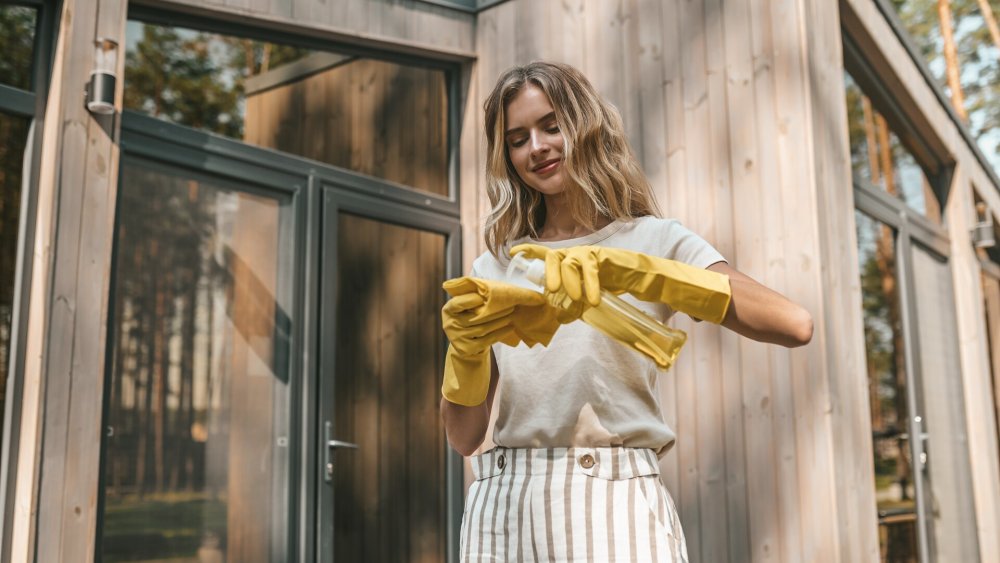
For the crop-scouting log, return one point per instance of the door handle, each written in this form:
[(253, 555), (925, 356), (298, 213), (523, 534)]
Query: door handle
[(331, 445)]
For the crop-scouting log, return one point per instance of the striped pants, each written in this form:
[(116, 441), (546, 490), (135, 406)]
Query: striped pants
[(569, 504)]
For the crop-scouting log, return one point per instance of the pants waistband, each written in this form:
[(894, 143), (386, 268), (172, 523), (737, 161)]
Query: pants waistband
[(611, 463)]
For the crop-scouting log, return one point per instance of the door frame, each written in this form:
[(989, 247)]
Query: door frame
[(910, 228), (335, 199), (206, 155)]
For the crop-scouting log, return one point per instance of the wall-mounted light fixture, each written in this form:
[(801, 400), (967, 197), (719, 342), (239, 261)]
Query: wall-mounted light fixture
[(101, 89), (982, 232)]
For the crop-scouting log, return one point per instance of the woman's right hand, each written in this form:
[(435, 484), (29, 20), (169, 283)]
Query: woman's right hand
[(482, 313)]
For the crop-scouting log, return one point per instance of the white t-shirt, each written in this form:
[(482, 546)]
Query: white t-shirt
[(585, 389)]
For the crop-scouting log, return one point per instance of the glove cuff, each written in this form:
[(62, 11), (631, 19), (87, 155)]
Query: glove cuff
[(466, 379)]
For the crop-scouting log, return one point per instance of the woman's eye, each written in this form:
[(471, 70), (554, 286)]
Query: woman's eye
[(552, 129), (517, 142)]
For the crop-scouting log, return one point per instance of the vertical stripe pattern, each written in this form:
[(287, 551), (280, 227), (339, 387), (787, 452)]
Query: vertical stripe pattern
[(569, 504)]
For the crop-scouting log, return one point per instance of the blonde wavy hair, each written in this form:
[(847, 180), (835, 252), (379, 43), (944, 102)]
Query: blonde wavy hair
[(596, 157)]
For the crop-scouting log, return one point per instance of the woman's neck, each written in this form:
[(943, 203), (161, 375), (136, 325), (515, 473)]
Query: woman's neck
[(560, 224)]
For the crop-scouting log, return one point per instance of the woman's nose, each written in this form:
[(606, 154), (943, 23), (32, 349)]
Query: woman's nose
[(538, 144)]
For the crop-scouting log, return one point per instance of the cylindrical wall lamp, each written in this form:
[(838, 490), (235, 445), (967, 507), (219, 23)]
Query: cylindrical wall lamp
[(982, 232), (101, 89)]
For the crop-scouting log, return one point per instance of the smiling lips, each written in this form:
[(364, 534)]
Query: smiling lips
[(546, 167)]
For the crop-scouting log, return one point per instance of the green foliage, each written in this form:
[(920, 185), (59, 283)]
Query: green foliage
[(177, 78), (978, 58), (172, 525), (17, 42), (196, 78)]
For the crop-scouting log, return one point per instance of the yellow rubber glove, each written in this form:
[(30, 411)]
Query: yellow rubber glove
[(480, 314), (582, 271)]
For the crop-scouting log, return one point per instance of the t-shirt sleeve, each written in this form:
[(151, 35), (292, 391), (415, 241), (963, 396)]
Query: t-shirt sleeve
[(685, 246)]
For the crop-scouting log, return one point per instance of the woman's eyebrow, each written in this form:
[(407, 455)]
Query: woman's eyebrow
[(546, 117)]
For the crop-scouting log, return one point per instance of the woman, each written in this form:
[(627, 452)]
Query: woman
[(574, 476)]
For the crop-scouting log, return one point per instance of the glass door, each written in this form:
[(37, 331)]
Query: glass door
[(198, 451), (387, 476)]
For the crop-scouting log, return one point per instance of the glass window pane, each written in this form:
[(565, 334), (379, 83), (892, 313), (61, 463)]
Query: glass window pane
[(13, 136), (887, 382), (977, 56), (196, 466), (949, 479), (17, 45), (878, 157), (375, 117)]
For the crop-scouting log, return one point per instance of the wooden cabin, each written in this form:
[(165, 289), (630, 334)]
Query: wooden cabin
[(219, 301)]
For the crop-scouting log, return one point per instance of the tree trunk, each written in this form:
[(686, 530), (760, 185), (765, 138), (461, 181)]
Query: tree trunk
[(885, 155), (951, 59), (161, 357), (991, 21), (872, 142)]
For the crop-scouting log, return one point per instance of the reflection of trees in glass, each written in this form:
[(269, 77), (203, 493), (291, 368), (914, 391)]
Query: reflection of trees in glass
[(879, 158), (887, 388), (158, 481), (196, 78), (977, 57), (17, 41)]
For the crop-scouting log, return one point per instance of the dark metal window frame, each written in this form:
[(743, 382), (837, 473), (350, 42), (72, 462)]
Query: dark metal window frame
[(147, 139), (30, 104), (470, 6)]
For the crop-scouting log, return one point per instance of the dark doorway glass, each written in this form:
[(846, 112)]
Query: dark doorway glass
[(13, 137), (390, 495)]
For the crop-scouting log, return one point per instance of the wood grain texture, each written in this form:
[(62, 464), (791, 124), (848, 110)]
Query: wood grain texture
[(388, 499), (839, 338), (74, 351), (722, 109), (381, 21)]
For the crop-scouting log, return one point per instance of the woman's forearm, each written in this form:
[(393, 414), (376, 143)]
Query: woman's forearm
[(464, 426), (762, 314)]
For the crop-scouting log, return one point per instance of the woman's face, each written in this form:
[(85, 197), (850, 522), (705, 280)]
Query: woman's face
[(534, 142)]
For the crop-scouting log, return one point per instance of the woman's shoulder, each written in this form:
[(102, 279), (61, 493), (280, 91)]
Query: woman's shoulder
[(651, 229), (668, 238)]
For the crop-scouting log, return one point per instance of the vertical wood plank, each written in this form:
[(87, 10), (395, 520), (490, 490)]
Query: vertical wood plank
[(978, 379), (839, 340), (569, 43), (816, 493), (650, 78), (672, 200), (713, 221), (74, 352), (604, 59), (697, 163), (749, 226)]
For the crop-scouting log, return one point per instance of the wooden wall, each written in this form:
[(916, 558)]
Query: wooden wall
[(720, 102), (360, 22), (737, 113), (67, 315)]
